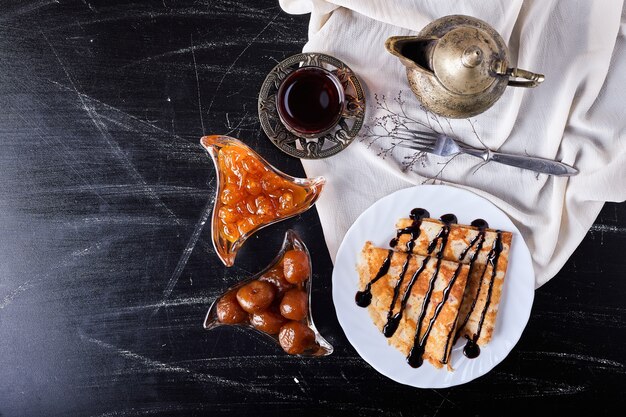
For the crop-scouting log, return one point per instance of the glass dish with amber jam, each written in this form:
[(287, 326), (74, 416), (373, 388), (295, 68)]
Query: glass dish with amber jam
[(251, 194)]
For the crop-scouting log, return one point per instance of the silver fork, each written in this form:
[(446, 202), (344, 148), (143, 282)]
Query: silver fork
[(444, 145)]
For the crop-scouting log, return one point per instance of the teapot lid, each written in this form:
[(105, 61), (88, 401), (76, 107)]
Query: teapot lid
[(463, 60)]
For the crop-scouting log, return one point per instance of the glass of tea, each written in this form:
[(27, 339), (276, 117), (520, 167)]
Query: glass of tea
[(310, 101)]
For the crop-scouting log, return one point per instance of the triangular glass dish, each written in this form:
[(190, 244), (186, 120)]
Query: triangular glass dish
[(314, 343), (251, 194)]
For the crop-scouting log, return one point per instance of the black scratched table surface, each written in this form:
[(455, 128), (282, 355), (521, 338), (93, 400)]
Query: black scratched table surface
[(106, 265)]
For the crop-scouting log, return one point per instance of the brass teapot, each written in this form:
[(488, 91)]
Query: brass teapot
[(458, 66)]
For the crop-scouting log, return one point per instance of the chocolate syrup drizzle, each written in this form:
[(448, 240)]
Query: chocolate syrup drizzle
[(431, 323), (415, 358), (471, 349), (363, 298), (478, 240), (394, 320), (417, 214)]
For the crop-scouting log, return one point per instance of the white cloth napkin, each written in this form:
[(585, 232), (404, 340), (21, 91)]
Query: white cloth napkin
[(578, 115)]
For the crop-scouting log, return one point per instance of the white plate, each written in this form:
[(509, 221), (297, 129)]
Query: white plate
[(377, 224)]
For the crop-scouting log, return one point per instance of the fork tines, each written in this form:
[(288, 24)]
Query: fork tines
[(433, 135), (420, 138), (419, 148)]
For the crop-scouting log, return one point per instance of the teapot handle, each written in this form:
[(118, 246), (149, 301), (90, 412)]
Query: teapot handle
[(531, 79)]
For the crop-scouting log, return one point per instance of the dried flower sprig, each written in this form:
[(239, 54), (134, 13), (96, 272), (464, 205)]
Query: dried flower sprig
[(383, 131)]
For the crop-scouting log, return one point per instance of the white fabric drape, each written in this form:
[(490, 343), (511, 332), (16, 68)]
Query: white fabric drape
[(578, 115)]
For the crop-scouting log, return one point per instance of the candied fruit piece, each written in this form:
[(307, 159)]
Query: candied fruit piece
[(228, 214), (294, 304), (256, 296), (229, 162), (253, 186), (246, 225), (276, 277), (295, 337), (268, 182), (231, 195), (252, 165), (263, 206), (296, 266), (256, 193), (268, 321), (251, 205), (232, 179), (230, 232), (286, 201), (242, 208), (229, 311)]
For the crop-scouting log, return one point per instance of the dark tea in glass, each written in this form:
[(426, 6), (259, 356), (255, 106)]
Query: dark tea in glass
[(310, 101)]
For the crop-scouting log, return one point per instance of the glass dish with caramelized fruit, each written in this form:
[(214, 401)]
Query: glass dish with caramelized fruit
[(251, 194), (275, 302)]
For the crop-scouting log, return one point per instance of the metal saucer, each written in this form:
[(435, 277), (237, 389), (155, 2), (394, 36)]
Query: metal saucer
[(324, 146)]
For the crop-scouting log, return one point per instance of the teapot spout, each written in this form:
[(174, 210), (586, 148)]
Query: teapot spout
[(414, 52)]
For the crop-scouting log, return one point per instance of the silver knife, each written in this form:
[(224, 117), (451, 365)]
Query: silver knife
[(444, 145)]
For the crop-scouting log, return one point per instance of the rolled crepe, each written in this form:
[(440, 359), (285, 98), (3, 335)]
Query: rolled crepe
[(478, 312), (410, 278)]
